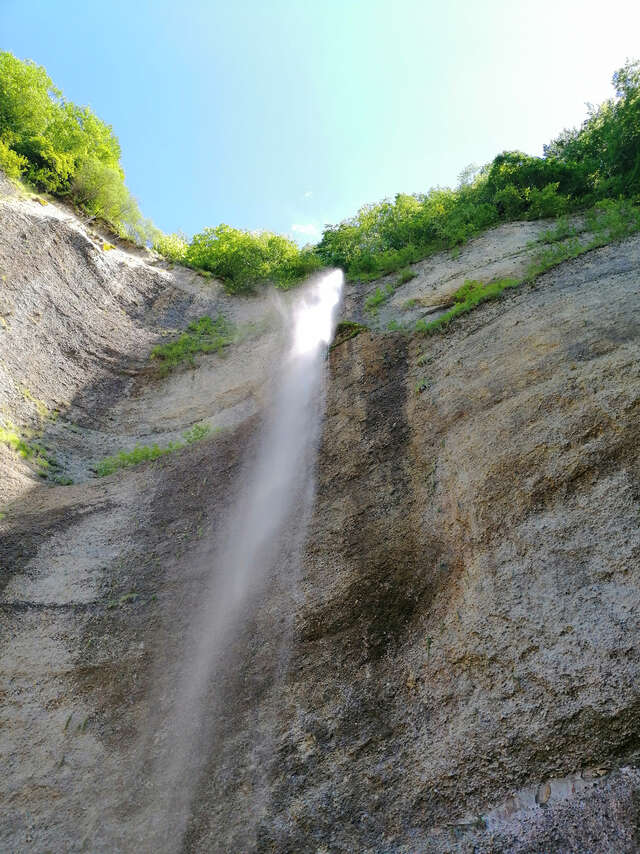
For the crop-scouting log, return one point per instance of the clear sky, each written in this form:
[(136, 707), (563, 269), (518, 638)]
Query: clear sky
[(288, 114)]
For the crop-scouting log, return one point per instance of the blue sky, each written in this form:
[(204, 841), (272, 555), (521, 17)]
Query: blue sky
[(287, 113)]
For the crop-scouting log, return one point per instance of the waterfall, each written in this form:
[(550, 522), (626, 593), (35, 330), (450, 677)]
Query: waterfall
[(272, 505)]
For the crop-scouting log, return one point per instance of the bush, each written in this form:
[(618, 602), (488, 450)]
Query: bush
[(546, 202), (68, 151), (378, 297), (614, 219), (172, 246), (510, 202), (471, 294), (406, 275), (11, 163), (243, 259), (99, 190)]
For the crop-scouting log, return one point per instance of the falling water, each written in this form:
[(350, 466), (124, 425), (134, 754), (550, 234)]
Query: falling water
[(273, 495)]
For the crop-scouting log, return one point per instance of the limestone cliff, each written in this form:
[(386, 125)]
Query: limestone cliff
[(456, 667)]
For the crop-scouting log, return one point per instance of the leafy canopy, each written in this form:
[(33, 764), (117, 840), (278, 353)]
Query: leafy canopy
[(62, 148), (245, 258)]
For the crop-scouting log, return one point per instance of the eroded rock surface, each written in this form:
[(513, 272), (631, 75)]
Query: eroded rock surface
[(455, 668)]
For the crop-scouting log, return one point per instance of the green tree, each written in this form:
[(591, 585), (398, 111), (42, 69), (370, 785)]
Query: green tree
[(27, 99), (63, 148)]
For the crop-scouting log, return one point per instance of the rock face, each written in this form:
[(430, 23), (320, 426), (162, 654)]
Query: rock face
[(456, 665)]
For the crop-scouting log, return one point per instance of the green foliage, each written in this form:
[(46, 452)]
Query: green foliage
[(560, 231), (11, 163), (555, 254), (140, 454), (614, 219), (148, 453), (9, 436), (599, 160), (607, 221), (61, 480), (379, 296), (345, 330), (67, 150), (196, 433), (546, 202), (202, 336), (244, 259), (406, 275), (471, 294), (63, 149), (100, 191), (26, 97), (604, 153), (388, 236), (172, 246), (510, 202), (45, 465)]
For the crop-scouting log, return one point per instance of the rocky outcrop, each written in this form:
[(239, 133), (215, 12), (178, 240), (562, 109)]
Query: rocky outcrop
[(455, 668)]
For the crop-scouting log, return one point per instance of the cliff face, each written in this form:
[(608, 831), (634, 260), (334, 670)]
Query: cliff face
[(455, 665)]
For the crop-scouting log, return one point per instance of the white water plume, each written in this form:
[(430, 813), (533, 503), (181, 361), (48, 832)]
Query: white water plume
[(272, 506)]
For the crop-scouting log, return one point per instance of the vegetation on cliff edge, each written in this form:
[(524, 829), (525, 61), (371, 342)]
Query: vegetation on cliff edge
[(66, 150), (600, 160)]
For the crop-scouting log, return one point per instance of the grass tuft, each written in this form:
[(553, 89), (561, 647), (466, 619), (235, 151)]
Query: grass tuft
[(203, 335), (377, 298), (471, 294), (9, 436), (345, 330), (406, 275), (148, 453), (46, 466)]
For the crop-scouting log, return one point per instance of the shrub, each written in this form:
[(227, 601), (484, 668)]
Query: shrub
[(560, 231), (608, 220), (466, 298), (243, 259), (378, 297), (172, 246), (614, 219), (28, 450), (67, 150), (11, 163), (546, 202), (9, 436), (510, 202), (345, 330)]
